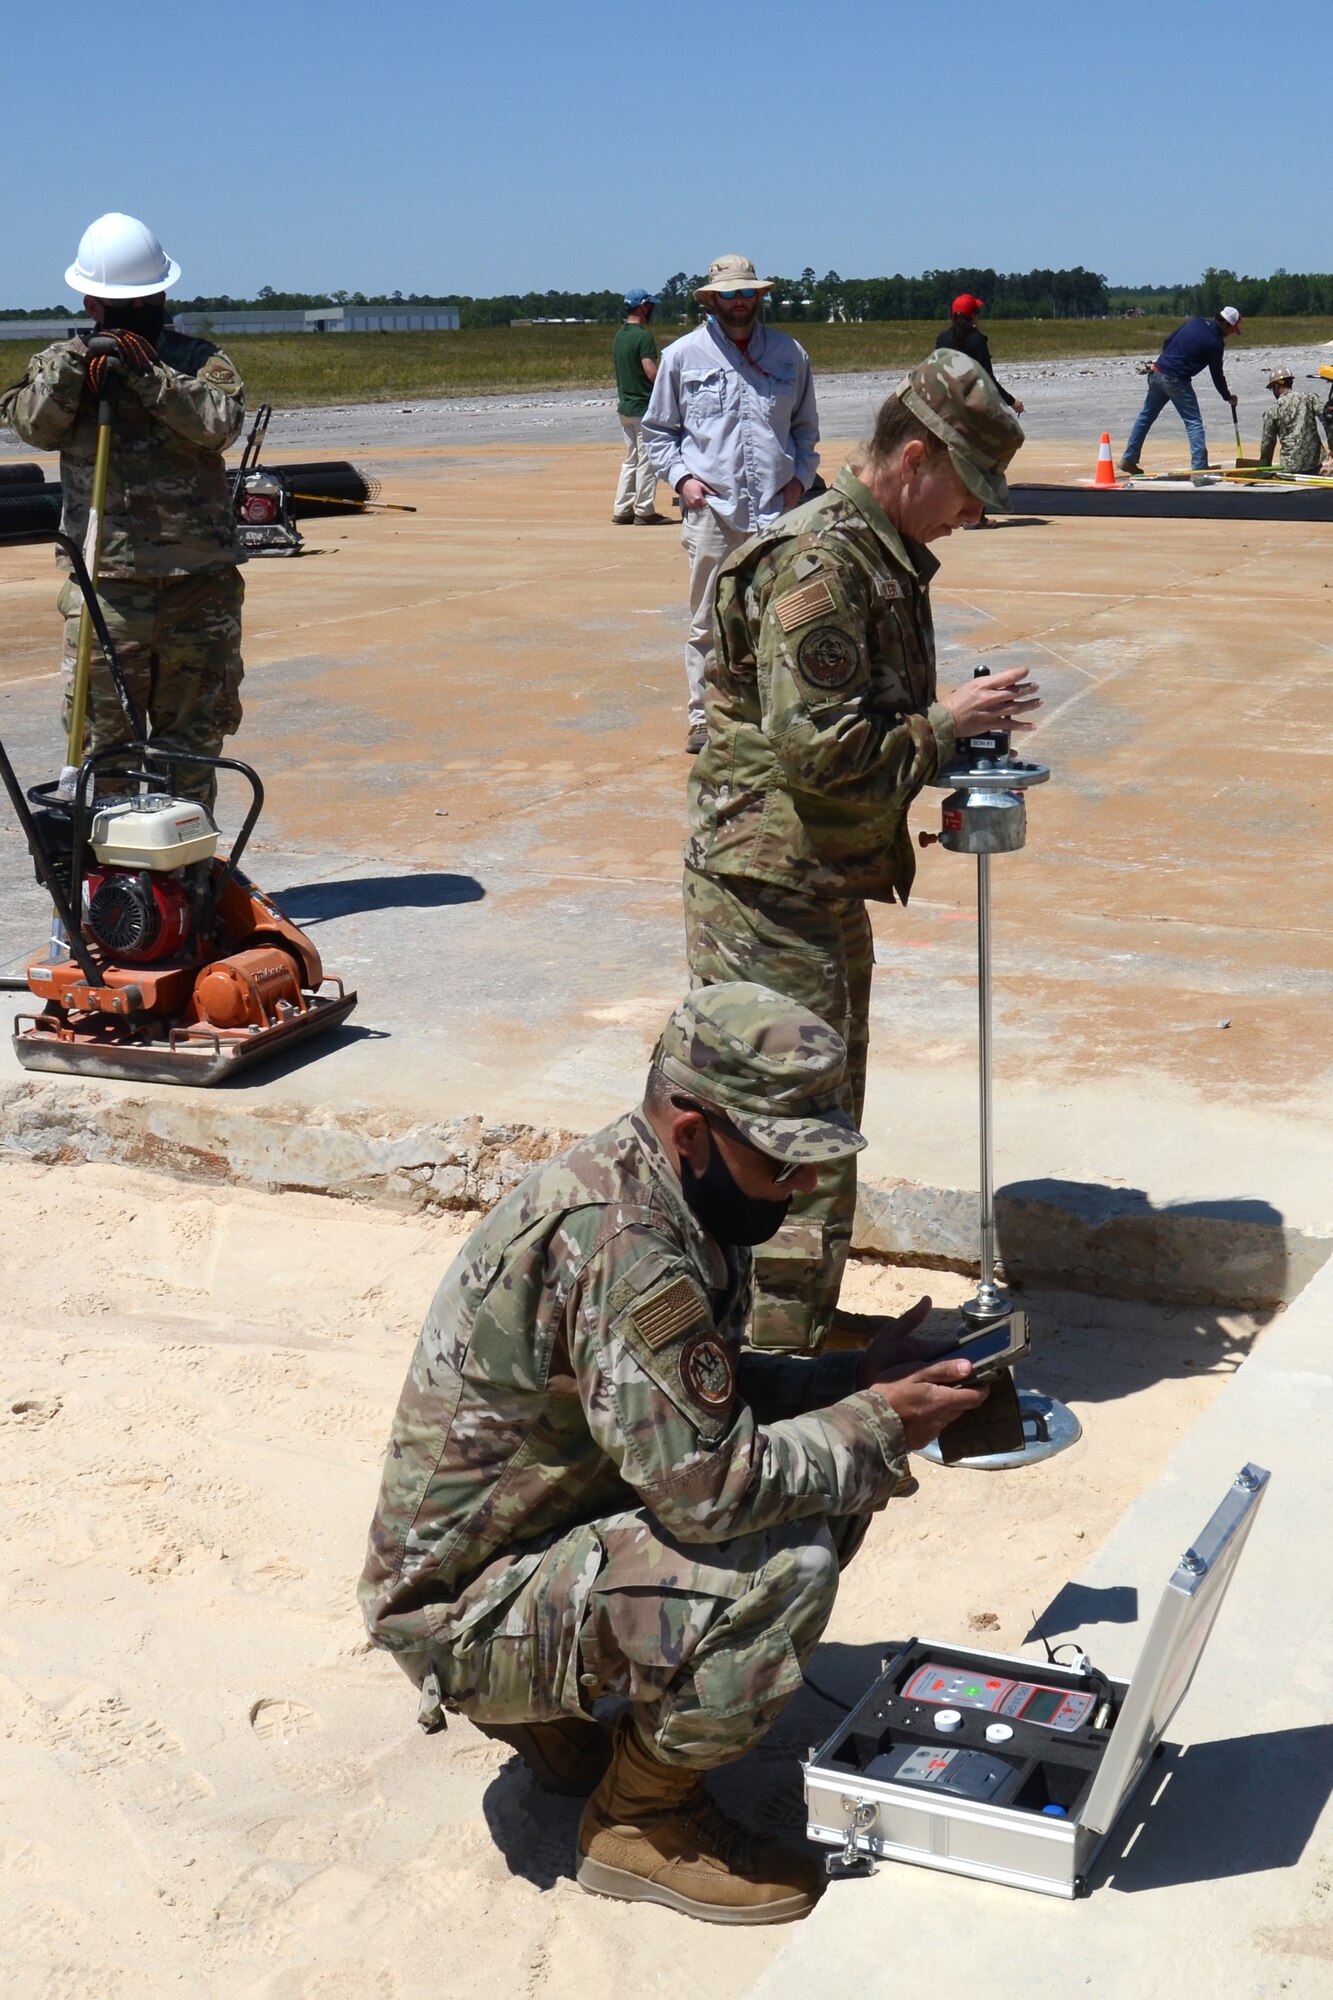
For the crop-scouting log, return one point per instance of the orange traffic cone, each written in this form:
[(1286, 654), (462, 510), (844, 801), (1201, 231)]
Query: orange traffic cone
[(1105, 464)]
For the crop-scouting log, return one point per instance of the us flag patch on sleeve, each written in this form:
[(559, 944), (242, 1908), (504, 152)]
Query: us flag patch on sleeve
[(668, 1311), (802, 606)]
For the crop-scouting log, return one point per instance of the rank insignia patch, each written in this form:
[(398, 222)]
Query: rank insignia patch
[(798, 607), (706, 1372), (827, 657)]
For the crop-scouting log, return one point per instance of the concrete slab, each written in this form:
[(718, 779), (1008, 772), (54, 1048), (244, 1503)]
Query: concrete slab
[(470, 721), (1217, 1878)]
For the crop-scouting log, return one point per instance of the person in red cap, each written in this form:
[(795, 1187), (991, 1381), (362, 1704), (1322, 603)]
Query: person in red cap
[(963, 333)]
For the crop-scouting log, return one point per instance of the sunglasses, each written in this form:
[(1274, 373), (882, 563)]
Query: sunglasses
[(780, 1175), (746, 292)]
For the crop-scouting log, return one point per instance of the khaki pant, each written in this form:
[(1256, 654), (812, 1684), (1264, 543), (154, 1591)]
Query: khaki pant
[(708, 1640), (707, 542), (820, 952), (178, 642), (636, 488)]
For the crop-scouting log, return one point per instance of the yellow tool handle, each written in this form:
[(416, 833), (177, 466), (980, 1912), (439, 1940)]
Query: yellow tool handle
[(331, 500), (92, 555)]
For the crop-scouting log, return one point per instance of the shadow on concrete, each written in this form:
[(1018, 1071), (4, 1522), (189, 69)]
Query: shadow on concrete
[(1242, 1806), (1078, 1604), (1233, 1251), (318, 902), (302, 1055), (1020, 521)]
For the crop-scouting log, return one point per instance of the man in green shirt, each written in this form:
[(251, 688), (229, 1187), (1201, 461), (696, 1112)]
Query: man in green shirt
[(635, 353)]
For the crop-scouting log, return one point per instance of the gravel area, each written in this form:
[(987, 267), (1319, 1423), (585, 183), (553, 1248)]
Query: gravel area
[(1064, 399)]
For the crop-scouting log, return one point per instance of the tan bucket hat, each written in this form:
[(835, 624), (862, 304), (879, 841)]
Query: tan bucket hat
[(729, 273)]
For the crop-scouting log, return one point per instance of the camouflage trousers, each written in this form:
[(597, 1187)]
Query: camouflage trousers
[(708, 1642), (819, 951), (178, 641)]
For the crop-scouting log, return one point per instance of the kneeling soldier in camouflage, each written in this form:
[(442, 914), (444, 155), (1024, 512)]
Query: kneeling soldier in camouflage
[(596, 1509)]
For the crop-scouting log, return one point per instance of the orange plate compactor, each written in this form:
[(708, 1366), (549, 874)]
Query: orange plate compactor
[(179, 969)]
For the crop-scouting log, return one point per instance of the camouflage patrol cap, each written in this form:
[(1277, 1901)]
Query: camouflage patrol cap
[(774, 1069), (954, 397)]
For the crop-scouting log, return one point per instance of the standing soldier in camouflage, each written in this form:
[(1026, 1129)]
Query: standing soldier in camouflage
[(169, 583), (823, 725), (1293, 423), (597, 1510)]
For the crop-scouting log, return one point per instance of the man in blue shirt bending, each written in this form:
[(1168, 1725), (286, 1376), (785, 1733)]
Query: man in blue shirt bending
[(1197, 345)]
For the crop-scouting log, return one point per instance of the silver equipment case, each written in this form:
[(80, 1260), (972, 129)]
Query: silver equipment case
[(1089, 1773)]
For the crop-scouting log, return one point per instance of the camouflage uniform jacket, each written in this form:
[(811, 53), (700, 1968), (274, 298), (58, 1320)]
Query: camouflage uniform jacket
[(168, 511), (822, 718), (1293, 421), (583, 1356)]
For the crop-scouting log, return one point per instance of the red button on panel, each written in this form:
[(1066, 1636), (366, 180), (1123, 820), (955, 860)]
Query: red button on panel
[(994, 1684)]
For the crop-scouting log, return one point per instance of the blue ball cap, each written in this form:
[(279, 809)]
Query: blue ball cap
[(638, 297)]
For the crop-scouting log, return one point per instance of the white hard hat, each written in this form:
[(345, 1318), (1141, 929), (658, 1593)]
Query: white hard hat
[(120, 258)]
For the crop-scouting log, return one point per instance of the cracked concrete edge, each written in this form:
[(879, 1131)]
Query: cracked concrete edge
[(1103, 1240)]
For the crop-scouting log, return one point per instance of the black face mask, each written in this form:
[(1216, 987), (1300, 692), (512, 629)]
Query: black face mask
[(725, 1210), (146, 317)]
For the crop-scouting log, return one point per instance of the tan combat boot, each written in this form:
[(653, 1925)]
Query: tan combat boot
[(651, 1834), (565, 1756)]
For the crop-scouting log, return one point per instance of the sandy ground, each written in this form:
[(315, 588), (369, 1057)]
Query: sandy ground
[(210, 1786)]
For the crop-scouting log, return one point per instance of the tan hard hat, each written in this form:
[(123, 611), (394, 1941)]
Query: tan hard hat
[(729, 273)]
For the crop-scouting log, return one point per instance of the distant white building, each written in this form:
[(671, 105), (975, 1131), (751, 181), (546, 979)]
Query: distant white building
[(44, 331), (326, 319)]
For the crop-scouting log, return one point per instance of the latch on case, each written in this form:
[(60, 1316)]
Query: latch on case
[(861, 1816)]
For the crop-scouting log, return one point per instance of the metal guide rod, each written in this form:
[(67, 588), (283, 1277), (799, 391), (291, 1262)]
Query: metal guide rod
[(988, 1297)]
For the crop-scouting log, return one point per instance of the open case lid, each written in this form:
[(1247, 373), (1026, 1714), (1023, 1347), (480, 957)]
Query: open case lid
[(1176, 1638)]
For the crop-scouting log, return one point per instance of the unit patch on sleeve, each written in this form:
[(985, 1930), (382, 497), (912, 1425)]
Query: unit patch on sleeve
[(660, 1315), (706, 1372), (801, 606), (827, 657)]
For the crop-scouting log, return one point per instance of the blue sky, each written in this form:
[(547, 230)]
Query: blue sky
[(520, 146)]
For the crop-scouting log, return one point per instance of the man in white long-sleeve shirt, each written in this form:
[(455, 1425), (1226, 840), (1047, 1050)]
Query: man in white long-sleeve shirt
[(732, 427)]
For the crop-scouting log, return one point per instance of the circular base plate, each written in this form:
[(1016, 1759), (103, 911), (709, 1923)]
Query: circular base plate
[(1048, 1427)]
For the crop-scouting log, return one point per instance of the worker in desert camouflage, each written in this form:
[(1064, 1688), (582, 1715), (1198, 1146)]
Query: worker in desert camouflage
[(1292, 422), (596, 1510), (824, 723), (169, 584)]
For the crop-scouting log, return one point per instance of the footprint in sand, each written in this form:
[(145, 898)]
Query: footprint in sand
[(34, 1409), (276, 1721)]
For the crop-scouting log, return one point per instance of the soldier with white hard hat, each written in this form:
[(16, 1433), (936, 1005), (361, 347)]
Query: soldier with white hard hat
[(168, 579)]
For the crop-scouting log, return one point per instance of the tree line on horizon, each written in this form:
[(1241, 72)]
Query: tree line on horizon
[(1040, 294)]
